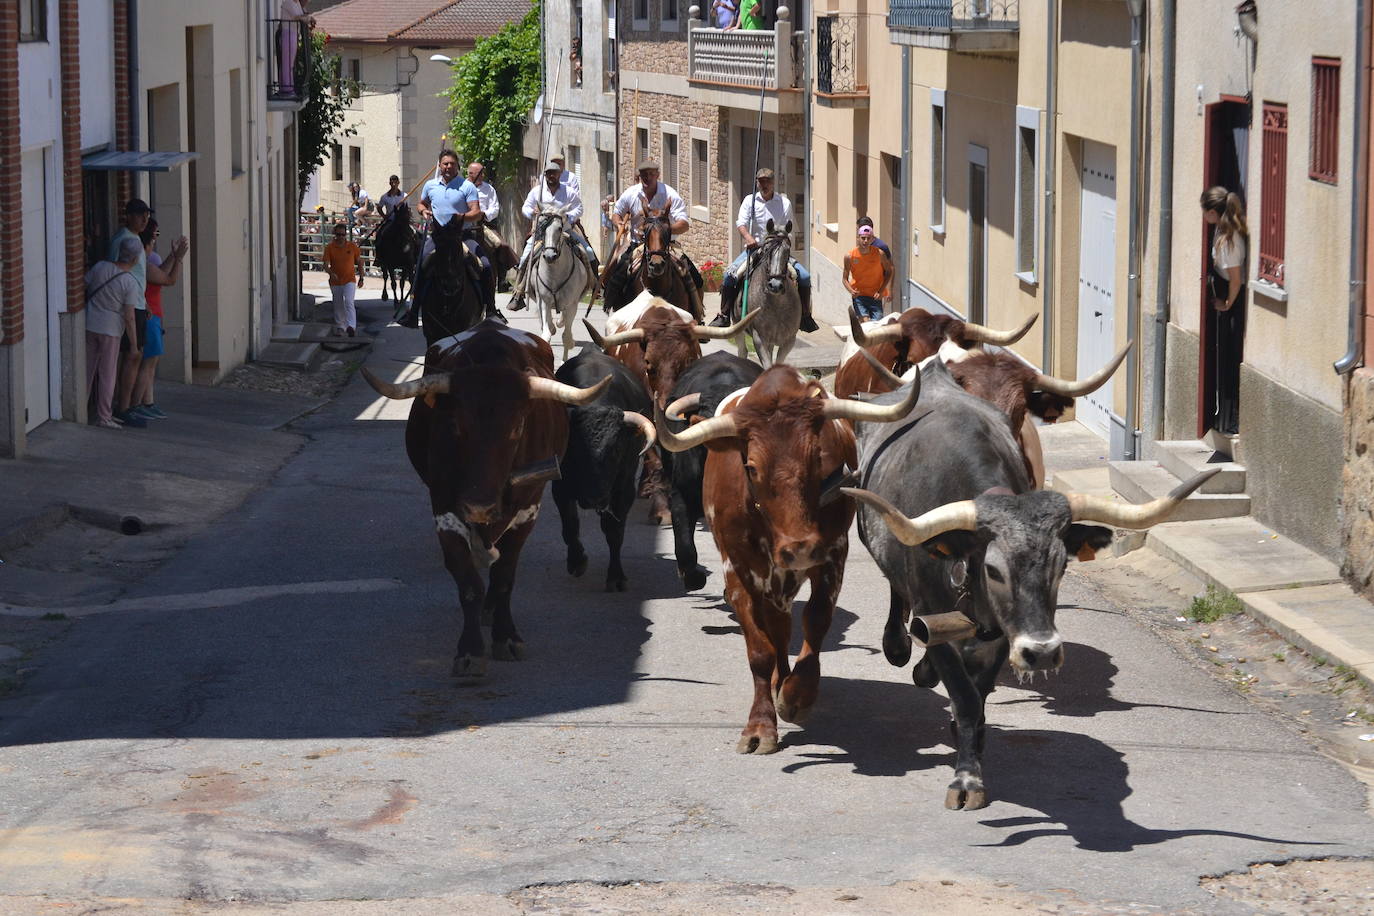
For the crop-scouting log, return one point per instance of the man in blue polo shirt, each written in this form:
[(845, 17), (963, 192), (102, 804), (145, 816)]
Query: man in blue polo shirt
[(445, 198)]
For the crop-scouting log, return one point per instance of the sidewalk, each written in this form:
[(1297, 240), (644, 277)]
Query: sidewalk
[(1288, 588)]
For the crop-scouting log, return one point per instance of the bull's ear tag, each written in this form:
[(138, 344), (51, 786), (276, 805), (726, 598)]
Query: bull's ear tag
[(1086, 554), (430, 399)]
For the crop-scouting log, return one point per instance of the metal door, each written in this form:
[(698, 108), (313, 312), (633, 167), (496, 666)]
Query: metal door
[(1097, 280), (33, 218)]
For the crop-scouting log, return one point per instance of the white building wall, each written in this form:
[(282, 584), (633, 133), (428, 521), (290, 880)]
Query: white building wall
[(96, 19)]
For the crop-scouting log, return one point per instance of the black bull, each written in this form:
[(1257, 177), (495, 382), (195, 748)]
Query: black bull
[(948, 514), (605, 441), (707, 381)]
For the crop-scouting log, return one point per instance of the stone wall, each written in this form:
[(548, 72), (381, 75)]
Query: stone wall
[(1357, 484)]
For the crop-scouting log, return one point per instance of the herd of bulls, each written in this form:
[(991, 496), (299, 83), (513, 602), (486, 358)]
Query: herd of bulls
[(927, 438)]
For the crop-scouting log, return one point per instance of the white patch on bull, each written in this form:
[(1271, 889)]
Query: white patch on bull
[(1049, 647), (527, 514), (625, 317), (951, 352), (710, 514), (482, 555), (850, 347)]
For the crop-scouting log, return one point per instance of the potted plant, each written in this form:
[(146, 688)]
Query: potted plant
[(712, 273)]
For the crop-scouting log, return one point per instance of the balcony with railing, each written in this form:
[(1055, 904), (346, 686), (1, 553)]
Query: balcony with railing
[(986, 26), (841, 77), (288, 80), (732, 68)]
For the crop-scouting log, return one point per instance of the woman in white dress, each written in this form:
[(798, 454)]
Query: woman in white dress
[(1224, 212)]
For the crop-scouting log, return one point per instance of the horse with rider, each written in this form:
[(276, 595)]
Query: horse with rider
[(647, 217)]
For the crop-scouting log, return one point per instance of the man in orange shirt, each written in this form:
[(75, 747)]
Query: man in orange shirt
[(344, 261), (868, 276)]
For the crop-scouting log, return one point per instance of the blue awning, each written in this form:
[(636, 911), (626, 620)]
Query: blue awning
[(136, 161)]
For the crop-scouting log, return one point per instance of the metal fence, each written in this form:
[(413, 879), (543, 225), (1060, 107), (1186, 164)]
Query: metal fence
[(288, 80), (954, 15), (317, 227)]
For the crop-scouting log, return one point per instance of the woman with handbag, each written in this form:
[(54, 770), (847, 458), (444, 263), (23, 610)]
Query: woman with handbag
[(1223, 211)]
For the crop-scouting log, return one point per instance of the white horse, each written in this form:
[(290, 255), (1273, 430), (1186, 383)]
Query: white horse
[(772, 292), (558, 275)]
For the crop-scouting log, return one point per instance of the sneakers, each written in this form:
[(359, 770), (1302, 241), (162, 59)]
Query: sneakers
[(149, 412), (108, 424), (131, 419)]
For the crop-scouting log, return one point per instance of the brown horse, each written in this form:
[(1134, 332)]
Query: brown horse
[(658, 271)]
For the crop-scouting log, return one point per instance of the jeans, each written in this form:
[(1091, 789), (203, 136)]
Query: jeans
[(869, 308), (732, 275)]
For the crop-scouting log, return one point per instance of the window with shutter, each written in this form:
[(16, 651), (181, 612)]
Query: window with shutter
[(700, 173), (1273, 192), (1326, 112)]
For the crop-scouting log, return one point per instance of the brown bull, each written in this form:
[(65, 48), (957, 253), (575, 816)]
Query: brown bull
[(486, 427), (915, 335), (776, 456), (1018, 391), (657, 348)]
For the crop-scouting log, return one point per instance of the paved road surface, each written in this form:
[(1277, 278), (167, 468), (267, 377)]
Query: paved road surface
[(302, 740)]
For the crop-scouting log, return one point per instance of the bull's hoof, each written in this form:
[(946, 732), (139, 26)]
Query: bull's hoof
[(967, 794), (797, 715), (897, 649), (616, 583), (577, 565), (924, 674), (507, 650), (693, 579), (757, 744), (470, 668)]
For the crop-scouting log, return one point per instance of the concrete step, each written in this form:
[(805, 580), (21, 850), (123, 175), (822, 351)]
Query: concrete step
[(288, 355), (1186, 458), (288, 332), (1091, 481), (1142, 481)]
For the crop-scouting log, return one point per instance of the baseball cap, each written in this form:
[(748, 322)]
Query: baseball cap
[(137, 205), (865, 230), (552, 166), (763, 173)]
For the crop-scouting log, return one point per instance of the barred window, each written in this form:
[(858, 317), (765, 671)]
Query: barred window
[(1326, 114), (1273, 192)]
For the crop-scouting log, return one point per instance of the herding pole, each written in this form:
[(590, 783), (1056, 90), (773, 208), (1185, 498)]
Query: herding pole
[(753, 188)]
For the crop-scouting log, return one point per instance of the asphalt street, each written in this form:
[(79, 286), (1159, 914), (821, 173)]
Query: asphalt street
[(296, 736)]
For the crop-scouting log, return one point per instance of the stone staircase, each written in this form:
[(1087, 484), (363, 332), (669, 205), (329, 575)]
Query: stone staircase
[(1221, 497)]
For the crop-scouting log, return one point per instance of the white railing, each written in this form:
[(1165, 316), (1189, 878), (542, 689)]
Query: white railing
[(757, 59)]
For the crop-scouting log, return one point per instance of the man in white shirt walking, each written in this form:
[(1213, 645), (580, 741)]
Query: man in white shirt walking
[(752, 224)]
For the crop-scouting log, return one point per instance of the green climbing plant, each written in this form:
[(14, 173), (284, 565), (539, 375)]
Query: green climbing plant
[(495, 85), (321, 121)]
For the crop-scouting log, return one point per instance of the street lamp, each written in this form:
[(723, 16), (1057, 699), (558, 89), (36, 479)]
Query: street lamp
[(441, 58)]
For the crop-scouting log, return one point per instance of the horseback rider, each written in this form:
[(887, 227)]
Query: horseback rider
[(629, 214), (565, 177), (560, 194), (752, 224), (393, 196), (491, 208), (449, 205)]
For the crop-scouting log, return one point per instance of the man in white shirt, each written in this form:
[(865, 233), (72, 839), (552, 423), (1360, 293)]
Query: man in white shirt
[(550, 191), (393, 196), (502, 255), (752, 224), (628, 214), (568, 178)]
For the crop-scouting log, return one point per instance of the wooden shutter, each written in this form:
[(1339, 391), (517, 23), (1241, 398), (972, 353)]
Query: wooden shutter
[(1273, 192), (1326, 113)]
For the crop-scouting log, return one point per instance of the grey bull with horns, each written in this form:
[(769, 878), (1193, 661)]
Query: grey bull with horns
[(949, 515)]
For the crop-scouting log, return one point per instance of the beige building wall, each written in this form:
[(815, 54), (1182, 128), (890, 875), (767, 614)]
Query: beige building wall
[(202, 87), (400, 119)]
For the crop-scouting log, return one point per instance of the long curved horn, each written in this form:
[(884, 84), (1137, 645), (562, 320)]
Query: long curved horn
[(675, 410), (613, 340), (1091, 383), (884, 373), (429, 384), (1087, 508), (550, 390), (644, 425), (846, 409), (955, 516), (1001, 338), (706, 430), (710, 333), (890, 332)]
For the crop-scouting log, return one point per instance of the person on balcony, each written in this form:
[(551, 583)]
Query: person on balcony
[(289, 35), (724, 12), (752, 224), (750, 16)]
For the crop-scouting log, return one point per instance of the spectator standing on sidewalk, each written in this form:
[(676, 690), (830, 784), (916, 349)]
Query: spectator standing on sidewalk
[(136, 216), (867, 276), (160, 273), (112, 298), (344, 261)]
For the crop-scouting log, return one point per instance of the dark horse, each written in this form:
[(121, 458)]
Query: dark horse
[(397, 245), (658, 270), (451, 301)]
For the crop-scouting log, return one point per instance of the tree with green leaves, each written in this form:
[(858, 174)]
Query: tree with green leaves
[(321, 121), (495, 85)]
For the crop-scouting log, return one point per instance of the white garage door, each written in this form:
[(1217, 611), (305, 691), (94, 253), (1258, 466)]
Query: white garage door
[(1097, 281), (35, 232)]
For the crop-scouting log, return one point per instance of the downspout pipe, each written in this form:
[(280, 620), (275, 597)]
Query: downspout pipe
[(1359, 191), (904, 198), (134, 135), (1165, 240), (1047, 322), (1131, 447), (808, 126)]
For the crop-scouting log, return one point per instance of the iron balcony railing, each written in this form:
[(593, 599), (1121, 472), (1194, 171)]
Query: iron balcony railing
[(954, 15), (288, 81), (837, 55)]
